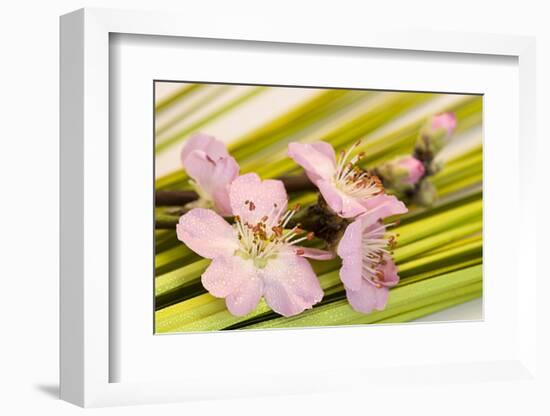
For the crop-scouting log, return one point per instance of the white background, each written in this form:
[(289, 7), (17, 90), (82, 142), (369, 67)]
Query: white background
[(29, 172)]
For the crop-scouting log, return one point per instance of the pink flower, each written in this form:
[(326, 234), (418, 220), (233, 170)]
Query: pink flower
[(368, 270), (445, 121), (256, 256), (434, 135), (401, 173), (412, 168), (348, 190), (212, 170)]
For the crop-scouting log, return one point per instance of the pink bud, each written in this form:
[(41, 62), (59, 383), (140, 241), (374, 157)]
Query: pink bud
[(413, 167), (445, 121)]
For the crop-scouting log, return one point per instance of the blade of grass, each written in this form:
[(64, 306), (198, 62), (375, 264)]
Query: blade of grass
[(176, 96), (419, 312), (337, 293), (171, 140), (460, 184), (340, 312), (474, 261), (178, 179), (441, 258), (407, 131), (177, 316), (445, 203), (416, 230), (406, 307), (172, 258), (179, 277), (429, 243), (216, 92), (272, 134), (166, 242), (173, 320), (351, 131)]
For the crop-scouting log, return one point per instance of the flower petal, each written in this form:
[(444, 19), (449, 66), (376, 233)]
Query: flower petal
[(212, 177), (251, 198), (221, 200), (445, 121), (206, 233), (226, 170), (382, 206), (391, 278), (351, 208), (331, 195), (235, 279), (342, 204), (326, 149), (368, 297), (350, 251), (245, 298), (223, 276), (314, 253), (414, 168), (317, 159), (201, 169), (213, 148), (291, 286)]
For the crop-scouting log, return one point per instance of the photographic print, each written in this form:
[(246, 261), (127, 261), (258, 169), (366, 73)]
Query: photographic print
[(295, 207)]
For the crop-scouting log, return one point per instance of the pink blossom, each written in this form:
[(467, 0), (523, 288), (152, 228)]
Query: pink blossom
[(434, 135), (368, 270), (256, 256), (445, 121), (412, 167), (212, 170), (401, 173), (348, 190)]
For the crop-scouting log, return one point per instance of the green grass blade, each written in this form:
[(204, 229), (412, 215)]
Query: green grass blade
[(176, 137)]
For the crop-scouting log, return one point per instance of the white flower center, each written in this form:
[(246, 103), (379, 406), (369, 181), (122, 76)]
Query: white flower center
[(262, 241), (353, 180)]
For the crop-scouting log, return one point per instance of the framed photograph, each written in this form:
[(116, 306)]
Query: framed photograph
[(268, 205)]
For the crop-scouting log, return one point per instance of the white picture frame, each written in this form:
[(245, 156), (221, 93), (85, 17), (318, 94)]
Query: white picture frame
[(86, 356)]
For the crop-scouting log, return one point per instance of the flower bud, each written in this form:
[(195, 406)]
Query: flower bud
[(426, 194), (401, 173), (434, 135)]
